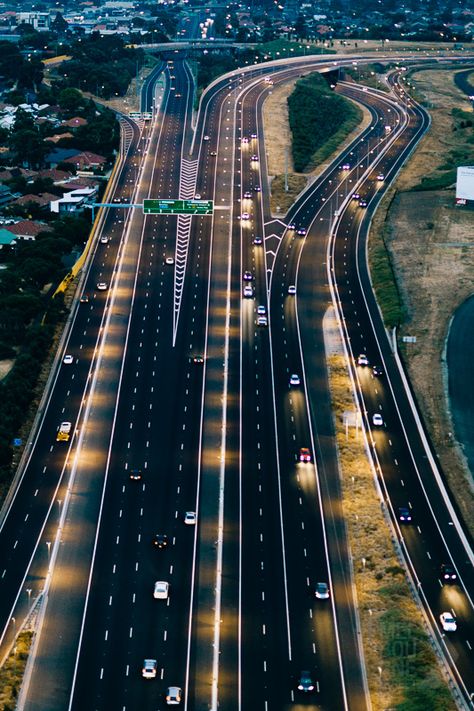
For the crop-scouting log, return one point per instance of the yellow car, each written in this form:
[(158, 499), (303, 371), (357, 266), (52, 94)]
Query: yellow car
[(64, 432)]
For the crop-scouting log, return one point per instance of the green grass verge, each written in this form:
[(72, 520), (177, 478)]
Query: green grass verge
[(411, 661), (11, 674), (281, 48), (384, 283)]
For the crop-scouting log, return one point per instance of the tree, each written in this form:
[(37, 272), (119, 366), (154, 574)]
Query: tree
[(10, 60), (29, 148), (31, 74), (59, 25), (70, 100), (23, 121)]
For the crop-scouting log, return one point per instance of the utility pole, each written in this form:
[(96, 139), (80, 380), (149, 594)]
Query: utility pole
[(286, 169)]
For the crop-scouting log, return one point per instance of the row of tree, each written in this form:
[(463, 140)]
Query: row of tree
[(27, 319), (315, 115)]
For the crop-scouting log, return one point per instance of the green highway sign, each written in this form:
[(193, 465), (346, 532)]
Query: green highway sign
[(178, 207), (135, 114), (147, 115)]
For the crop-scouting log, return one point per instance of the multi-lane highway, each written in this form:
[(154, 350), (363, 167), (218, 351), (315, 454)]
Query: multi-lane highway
[(183, 402)]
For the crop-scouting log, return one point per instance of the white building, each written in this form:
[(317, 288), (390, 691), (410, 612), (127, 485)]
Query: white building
[(39, 20)]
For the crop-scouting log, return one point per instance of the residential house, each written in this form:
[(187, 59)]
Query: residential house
[(27, 229), (74, 201), (86, 160), (59, 137), (7, 239), (42, 200), (75, 122), (5, 195), (59, 155)]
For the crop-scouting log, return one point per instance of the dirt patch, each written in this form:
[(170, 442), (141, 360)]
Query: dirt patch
[(431, 246), (5, 367)]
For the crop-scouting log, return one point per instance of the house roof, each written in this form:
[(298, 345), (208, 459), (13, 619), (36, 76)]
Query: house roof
[(41, 199), (58, 137), (28, 228), (86, 158), (6, 237), (58, 155), (75, 122), (80, 183), (10, 173), (57, 176)]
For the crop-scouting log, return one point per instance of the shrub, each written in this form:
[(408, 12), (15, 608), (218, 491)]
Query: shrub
[(316, 115)]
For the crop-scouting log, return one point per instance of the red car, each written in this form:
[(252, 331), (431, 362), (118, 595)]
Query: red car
[(305, 454)]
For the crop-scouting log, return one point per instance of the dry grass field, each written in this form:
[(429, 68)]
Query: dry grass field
[(430, 242)]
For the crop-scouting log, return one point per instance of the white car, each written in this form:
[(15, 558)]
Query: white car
[(65, 427), (197, 196), (377, 420), (161, 590), (292, 289), (245, 139), (248, 195), (169, 260), (248, 291), (321, 591), (104, 239), (206, 138), (68, 359), (262, 321), (448, 622), (149, 668), (362, 359), (173, 696), (245, 216), (295, 379), (102, 286), (190, 518), (261, 310)]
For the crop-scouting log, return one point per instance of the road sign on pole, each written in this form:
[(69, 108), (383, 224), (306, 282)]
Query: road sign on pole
[(135, 114), (178, 207)]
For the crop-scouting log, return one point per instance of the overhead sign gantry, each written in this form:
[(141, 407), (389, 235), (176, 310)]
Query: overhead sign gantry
[(178, 207)]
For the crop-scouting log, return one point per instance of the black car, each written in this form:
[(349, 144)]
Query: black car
[(404, 515), (448, 574), (377, 371), (362, 203), (135, 474), (305, 682), (301, 231), (160, 540)]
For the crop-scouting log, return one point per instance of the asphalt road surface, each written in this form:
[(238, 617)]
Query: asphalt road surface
[(181, 402)]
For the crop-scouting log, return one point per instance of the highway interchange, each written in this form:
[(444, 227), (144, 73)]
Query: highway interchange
[(173, 375)]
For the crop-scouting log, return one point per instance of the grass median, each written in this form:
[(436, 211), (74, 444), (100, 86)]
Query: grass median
[(402, 669)]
